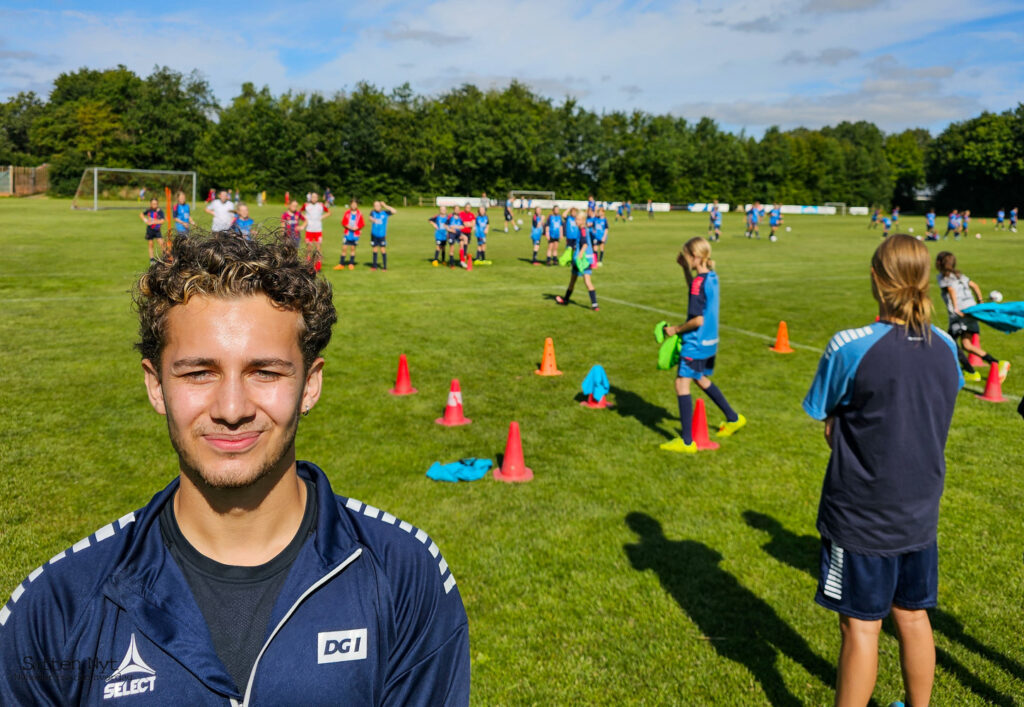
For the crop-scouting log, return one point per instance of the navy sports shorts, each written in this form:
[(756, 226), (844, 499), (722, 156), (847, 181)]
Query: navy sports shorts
[(153, 235), (960, 326), (695, 368), (866, 587), (379, 242), (351, 240)]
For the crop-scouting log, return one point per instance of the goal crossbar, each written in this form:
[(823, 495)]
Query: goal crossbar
[(95, 172)]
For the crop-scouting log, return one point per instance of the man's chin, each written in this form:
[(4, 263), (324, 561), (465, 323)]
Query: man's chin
[(238, 473)]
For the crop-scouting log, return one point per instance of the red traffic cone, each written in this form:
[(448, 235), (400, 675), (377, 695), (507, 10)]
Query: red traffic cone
[(547, 361), (993, 386), (782, 340), (317, 265), (513, 469), (468, 260), (700, 427), (403, 385), (453, 410), (973, 358), (591, 403), (287, 198)]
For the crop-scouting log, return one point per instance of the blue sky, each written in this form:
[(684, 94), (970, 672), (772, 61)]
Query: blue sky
[(748, 65)]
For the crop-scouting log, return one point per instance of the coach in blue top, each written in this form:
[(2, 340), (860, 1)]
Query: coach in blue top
[(246, 580), (886, 393)]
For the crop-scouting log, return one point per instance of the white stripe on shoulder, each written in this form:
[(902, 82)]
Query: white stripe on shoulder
[(388, 519), (844, 337)]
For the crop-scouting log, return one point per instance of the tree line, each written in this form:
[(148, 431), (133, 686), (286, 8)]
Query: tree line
[(369, 142)]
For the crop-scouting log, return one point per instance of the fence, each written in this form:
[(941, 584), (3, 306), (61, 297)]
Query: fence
[(24, 181)]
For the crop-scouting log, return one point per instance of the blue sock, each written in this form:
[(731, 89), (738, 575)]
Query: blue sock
[(686, 418), (718, 399), (384, 257), (593, 297)]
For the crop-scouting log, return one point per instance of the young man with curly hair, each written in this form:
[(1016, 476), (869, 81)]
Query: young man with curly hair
[(246, 580)]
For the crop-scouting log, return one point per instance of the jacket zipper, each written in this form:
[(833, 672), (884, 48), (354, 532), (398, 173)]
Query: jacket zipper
[(312, 588)]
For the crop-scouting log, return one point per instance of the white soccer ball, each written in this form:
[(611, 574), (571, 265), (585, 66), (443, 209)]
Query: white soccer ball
[(773, 238), (995, 296), (520, 222), (788, 229), (910, 230), (919, 238), (977, 235)]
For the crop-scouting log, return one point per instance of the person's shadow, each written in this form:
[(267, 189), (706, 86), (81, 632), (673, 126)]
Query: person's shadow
[(629, 404), (802, 552), (738, 624)]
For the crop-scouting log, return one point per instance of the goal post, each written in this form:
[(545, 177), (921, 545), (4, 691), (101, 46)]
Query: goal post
[(520, 194), (840, 206), (117, 188)]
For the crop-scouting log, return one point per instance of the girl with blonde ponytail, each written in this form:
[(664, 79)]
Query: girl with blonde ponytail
[(886, 393)]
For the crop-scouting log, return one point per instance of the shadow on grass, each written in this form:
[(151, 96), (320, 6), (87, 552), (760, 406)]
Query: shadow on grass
[(629, 404), (802, 552), (551, 298), (737, 623)]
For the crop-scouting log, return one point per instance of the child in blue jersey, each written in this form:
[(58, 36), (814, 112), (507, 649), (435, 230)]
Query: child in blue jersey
[(379, 232), (509, 218), (774, 220), (243, 224), (952, 224), (618, 213), (886, 393), (536, 233), (754, 221), (440, 223), (182, 215), (481, 227), (886, 226), (573, 228), (553, 230), (454, 238), (600, 230), (929, 229), (582, 263), (1013, 220), (1000, 219), (876, 214), (895, 216), (965, 222), (699, 345), (629, 210), (715, 222)]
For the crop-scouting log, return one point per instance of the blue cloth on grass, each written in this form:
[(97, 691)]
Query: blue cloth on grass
[(469, 469), (596, 383), (1007, 317)]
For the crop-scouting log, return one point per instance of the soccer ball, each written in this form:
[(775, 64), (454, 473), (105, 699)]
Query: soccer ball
[(520, 222), (788, 229), (910, 230), (773, 238), (977, 235), (995, 296), (919, 238)]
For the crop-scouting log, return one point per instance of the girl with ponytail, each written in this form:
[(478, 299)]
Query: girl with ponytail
[(886, 393)]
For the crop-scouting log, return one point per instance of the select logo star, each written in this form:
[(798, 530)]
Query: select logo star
[(131, 664)]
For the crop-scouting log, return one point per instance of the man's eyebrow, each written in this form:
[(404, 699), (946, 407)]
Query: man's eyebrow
[(194, 362), (272, 363)]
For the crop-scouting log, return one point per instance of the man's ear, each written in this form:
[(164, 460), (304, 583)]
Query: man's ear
[(314, 384), (153, 387)]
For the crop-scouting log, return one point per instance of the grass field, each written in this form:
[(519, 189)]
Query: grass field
[(621, 574)]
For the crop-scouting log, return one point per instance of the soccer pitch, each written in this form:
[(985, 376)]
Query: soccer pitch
[(622, 573)]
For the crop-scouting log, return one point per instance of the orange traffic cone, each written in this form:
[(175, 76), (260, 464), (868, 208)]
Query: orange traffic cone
[(993, 386), (782, 340), (547, 361), (591, 403), (700, 427), (287, 198), (513, 468), (974, 359), (403, 386), (317, 265), (466, 259), (453, 410)]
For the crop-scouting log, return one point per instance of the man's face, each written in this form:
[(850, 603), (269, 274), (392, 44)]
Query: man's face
[(232, 385)]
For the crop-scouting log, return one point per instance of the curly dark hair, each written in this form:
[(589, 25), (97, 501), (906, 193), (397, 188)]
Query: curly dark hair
[(225, 265)]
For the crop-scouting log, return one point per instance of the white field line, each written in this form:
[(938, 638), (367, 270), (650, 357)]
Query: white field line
[(681, 316)]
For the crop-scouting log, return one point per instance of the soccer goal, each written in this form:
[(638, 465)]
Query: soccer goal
[(113, 188), (522, 198), (840, 206)]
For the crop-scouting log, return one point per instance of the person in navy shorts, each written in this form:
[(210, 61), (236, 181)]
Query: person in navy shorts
[(886, 393)]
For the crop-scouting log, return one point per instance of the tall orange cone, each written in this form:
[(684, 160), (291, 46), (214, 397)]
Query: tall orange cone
[(403, 386), (513, 468), (993, 386), (287, 198), (782, 340), (453, 410), (700, 427), (547, 361), (973, 358)]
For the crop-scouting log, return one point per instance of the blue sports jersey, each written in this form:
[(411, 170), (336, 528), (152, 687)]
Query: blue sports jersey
[(369, 614), (954, 221), (887, 222), (243, 225), (538, 227), (874, 215), (555, 225), (754, 216), (572, 230), (702, 342), (379, 230), (930, 218), (715, 217), (1000, 215), (896, 214), (1013, 215), (440, 222), (891, 394), (775, 217), (481, 225), (454, 222), (184, 212), (600, 227)]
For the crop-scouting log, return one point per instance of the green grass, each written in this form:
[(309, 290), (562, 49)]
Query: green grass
[(574, 593)]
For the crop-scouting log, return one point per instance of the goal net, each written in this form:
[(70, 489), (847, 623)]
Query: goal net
[(523, 198), (112, 188), (840, 206)]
